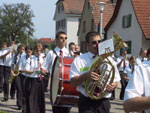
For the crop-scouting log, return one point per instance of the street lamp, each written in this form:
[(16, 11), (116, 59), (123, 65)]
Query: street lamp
[(101, 8)]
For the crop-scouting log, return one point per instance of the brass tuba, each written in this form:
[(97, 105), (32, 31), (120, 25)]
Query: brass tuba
[(15, 72), (97, 89)]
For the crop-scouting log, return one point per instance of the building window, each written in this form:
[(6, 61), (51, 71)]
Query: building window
[(84, 26), (58, 9), (62, 8), (63, 23), (126, 21), (88, 5), (58, 24)]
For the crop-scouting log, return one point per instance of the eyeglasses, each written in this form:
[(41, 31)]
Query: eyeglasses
[(63, 38), (95, 42)]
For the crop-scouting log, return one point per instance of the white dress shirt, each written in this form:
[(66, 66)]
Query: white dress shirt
[(40, 60), (129, 72), (139, 60), (121, 68), (29, 64), (8, 59), (81, 65), (17, 58), (50, 58), (139, 84), (1, 60)]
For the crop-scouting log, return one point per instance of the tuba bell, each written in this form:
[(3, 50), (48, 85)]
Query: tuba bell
[(97, 89)]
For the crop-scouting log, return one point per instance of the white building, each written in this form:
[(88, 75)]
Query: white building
[(91, 17), (67, 17), (131, 20)]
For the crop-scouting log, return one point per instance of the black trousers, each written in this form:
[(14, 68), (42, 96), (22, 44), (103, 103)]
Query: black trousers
[(46, 80), (34, 95), (1, 77), (86, 105), (60, 109), (7, 72), (18, 86), (23, 79), (13, 89), (123, 85)]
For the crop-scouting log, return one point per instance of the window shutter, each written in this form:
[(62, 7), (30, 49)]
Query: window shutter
[(123, 21), (129, 18)]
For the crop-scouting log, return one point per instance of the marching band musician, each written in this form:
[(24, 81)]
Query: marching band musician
[(60, 50), (4, 45), (6, 57), (18, 79), (142, 57), (46, 76), (128, 71), (13, 87), (79, 74), (72, 48), (137, 93), (33, 86), (122, 62)]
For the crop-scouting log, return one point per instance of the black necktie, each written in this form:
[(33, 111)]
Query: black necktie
[(142, 59)]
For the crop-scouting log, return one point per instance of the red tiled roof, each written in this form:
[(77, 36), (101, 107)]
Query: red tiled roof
[(107, 13), (115, 14), (46, 40), (73, 6), (142, 12)]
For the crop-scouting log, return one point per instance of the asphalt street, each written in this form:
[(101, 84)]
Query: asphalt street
[(10, 105)]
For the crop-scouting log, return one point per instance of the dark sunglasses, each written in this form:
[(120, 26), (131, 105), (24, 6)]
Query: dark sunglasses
[(63, 38), (95, 42)]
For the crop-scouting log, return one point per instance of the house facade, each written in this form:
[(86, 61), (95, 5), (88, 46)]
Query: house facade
[(67, 17), (131, 21), (90, 19)]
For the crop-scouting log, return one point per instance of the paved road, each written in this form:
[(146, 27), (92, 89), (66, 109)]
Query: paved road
[(10, 105)]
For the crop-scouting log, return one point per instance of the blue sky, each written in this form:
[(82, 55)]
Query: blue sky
[(44, 12)]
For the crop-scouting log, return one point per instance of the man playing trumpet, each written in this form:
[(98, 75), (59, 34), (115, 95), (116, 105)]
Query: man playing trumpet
[(6, 56)]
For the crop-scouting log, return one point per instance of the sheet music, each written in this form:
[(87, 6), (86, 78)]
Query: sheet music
[(106, 46)]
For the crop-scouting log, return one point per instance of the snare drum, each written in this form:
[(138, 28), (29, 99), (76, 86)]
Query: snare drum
[(61, 92)]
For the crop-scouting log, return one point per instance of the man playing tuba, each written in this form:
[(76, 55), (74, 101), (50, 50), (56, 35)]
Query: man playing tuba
[(79, 73)]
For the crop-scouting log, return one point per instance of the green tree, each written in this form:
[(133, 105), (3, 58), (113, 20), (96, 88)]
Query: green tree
[(16, 22)]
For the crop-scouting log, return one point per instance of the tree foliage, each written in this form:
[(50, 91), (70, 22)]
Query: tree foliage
[(16, 22)]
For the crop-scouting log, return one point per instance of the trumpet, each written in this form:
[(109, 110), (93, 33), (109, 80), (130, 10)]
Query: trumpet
[(97, 89)]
